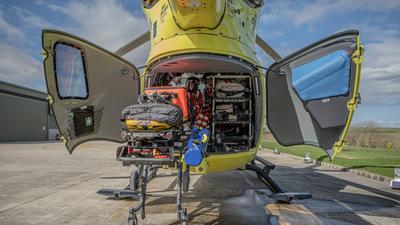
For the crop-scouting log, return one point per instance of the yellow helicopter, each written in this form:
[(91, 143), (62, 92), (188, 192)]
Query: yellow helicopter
[(308, 97)]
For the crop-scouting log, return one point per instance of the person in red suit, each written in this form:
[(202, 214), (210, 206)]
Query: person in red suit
[(195, 98), (204, 117)]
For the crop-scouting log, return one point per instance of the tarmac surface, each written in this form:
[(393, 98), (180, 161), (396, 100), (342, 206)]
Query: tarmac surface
[(40, 183)]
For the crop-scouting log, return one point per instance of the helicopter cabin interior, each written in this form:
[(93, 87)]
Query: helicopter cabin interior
[(231, 95)]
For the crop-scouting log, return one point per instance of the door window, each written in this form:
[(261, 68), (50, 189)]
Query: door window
[(324, 77), (312, 93), (70, 71)]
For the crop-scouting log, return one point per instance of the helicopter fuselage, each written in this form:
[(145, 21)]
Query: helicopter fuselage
[(216, 37)]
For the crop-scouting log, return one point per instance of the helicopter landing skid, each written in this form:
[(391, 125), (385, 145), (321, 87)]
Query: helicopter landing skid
[(278, 194)]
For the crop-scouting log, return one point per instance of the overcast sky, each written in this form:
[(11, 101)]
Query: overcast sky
[(286, 24)]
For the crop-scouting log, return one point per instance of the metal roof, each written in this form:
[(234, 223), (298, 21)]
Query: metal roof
[(25, 92)]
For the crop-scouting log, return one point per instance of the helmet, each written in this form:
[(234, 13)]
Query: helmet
[(164, 79)]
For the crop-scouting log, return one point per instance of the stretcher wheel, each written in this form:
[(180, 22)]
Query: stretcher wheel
[(132, 220), (134, 180), (183, 217)]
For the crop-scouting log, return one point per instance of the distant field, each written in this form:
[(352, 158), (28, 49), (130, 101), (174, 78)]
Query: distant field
[(378, 161), (388, 130), (374, 137)]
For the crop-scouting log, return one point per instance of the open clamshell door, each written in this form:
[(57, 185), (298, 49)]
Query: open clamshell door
[(88, 88), (312, 93)]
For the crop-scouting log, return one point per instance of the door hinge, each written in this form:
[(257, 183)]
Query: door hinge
[(358, 55), (352, 103), (44, 54), (50, 99), (63, 139), (337, 147)]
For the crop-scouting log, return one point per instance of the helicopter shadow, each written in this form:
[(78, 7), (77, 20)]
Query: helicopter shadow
[(238, 197), (336, 200)]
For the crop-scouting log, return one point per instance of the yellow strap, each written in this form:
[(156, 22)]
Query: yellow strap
[(204, 138), (183, 157), (357, 57)]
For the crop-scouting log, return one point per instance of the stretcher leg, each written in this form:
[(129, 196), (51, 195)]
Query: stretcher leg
[(181, 212)]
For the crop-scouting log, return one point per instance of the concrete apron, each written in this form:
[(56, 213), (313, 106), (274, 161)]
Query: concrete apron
[(235, 197), (42, 184)]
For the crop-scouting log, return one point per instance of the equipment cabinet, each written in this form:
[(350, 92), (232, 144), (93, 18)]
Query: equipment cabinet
[(232, 115)]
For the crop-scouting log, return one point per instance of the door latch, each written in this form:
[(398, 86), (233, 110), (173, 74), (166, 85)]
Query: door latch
[(125, 71), (358, 55), (50, 99)]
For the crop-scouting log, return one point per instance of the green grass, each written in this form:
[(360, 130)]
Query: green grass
[(378, 161)]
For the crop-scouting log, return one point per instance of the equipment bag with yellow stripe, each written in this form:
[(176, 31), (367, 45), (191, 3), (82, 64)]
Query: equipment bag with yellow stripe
[(151, 116)]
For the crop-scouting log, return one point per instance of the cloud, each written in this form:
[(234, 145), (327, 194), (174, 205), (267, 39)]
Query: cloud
[(297, 13), (279, 11), (106, 23), (29, 19), (322, 8), (380, 72), (378, 123), (11, 32), (20, 68), (16, 66), (388, 123), (381, 68)]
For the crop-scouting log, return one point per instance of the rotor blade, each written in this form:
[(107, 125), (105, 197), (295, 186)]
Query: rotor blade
[(143, 38), (267, 49)]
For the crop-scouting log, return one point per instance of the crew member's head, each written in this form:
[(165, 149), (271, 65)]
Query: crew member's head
[(165, 79), (192, 83)]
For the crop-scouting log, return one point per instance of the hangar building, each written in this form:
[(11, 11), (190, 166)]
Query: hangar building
[(25, 115)]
